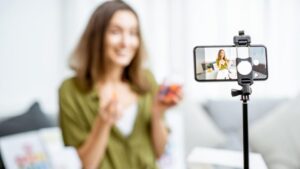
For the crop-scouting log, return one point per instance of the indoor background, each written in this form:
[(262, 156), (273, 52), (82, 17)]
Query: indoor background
[(38, 36)]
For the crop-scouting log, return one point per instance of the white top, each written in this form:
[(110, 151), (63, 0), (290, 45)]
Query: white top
[(126, 123)]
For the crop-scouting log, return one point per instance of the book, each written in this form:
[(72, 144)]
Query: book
[(41, 149)]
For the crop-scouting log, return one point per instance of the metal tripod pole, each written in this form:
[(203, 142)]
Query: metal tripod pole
[(245, 134)]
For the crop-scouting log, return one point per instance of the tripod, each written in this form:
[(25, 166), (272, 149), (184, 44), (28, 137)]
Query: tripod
[(245, 80)]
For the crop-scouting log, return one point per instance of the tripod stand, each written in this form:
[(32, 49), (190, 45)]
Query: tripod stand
[(245, 80)]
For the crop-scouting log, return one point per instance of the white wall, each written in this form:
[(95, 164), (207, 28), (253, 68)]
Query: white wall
[(36, 38), (30, 54)]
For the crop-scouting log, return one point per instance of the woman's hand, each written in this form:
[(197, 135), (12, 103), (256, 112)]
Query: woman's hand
[(167, 97), (110, 112)]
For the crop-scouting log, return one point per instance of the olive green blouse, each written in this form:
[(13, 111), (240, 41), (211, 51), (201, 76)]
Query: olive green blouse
[(224, 66), (77, 112)]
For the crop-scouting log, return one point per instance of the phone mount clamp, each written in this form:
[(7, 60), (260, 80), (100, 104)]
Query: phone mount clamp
[(245, 79)]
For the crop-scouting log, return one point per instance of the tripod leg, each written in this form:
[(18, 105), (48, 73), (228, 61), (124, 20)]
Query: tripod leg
[(245, 135)]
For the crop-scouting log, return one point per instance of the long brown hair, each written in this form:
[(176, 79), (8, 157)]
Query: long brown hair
[(88, 59), (219, 55)]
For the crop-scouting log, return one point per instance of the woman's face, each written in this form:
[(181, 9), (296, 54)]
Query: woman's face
[(222, 54), (121, 38)]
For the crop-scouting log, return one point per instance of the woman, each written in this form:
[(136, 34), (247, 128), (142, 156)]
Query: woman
[(223, 64), (110, 110), (222, 61)]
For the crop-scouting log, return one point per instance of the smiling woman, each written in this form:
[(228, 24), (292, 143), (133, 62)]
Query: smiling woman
[(112, 38), (110, 110), (121, 38)]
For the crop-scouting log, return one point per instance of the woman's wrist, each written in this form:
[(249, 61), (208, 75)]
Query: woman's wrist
[(103, 123), (157, 114)]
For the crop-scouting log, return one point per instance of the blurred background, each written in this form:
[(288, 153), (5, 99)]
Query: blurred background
[(37, 37)]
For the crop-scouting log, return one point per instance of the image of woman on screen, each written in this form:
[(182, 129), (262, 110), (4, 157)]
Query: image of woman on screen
[(223, 64), (222, 61)]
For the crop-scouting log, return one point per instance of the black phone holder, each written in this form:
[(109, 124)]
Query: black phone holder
[(245, 80)]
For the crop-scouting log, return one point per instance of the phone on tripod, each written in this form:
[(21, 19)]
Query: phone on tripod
[(218, 63)]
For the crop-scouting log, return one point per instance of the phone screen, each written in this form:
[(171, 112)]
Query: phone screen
[(218, 63)]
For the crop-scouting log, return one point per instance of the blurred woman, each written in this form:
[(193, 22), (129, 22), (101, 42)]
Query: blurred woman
[(109, 111)]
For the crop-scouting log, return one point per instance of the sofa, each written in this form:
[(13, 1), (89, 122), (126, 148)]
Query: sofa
[(31, 119), (273, 128)]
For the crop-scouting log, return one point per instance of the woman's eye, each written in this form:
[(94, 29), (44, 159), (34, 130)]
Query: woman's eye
[(133, 33), (114, 31)]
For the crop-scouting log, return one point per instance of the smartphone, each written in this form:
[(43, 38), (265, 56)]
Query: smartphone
[(218, 63)]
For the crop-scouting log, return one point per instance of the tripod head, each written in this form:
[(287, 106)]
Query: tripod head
[(244, 66), (242, 39)]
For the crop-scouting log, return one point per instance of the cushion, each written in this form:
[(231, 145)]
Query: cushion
[(228, 113), (200, 130), (32, 119), (234, 141), (277, 136)]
